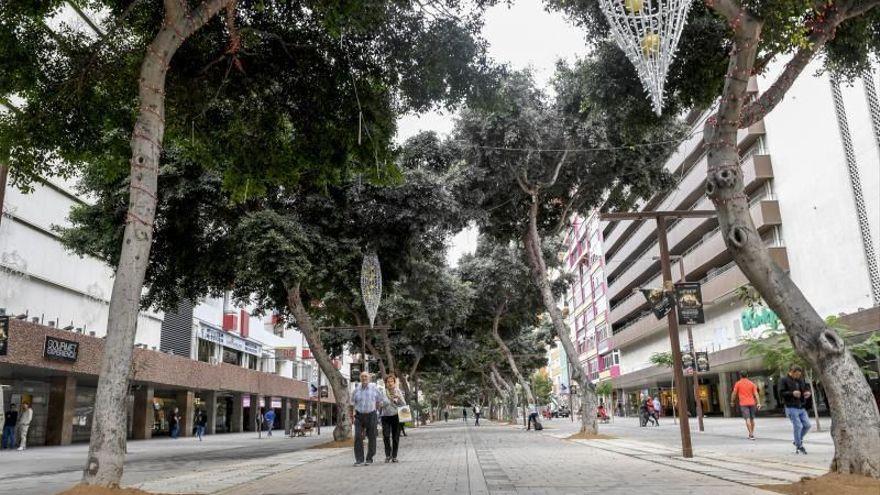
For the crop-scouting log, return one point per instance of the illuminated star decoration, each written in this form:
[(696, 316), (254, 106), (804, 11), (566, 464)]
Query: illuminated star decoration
[(648, 32), (371, 285)]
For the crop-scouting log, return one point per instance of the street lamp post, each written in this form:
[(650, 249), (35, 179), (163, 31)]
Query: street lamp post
[(672, 318)]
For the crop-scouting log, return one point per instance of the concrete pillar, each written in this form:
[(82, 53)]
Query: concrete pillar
[(62, 404), (236, 422), (210, 400), (285, 414), (187, 410), (724, 393), (143, 416)]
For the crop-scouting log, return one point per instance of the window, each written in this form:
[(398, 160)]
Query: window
[(252, 362), (602, 332), (231, 357), (206, 351)]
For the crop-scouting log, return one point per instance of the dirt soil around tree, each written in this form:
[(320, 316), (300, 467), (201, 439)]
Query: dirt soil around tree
[(589, 436), (335, 445), (829, 484), (100, 490)]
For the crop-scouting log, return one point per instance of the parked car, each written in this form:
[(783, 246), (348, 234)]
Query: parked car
[(562, 412)]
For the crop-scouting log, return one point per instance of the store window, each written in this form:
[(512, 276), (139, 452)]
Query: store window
[(231, 356), (206, 350)]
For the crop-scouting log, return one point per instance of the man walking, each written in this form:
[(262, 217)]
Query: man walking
[(10, 418), (533, 417), (477, 412), (24, 424), (464, 414), (746, 392), (201, 424), (270, 421), (795, 394), (446, 415), (367, 399)]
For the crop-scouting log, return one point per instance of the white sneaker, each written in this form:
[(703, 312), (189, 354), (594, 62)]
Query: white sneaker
[(20, 448)]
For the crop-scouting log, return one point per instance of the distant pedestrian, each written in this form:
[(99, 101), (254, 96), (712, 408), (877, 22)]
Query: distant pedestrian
[(269, 419), (746, 392), (446, 415), (795, 394), (533, 417), (174, 422), (367, 399), (477, 412), (10, 419), (646, 411), (201, 424), (391, 425), (24, 424), (464, 414), (657, 409)]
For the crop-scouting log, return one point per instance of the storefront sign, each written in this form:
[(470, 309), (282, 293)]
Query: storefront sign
[(660, 300), (285, 353), (226, 339), (759, 319), (689, 300), (64, 350), (4, 334)]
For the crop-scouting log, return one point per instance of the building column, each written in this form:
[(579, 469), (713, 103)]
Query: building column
[(143, 416), (724, 393), (210, 399), (236, 421), (186, 409), (62, 404), (285, 414)]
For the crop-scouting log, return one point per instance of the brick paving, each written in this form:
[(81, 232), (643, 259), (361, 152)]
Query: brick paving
[(498, 459)]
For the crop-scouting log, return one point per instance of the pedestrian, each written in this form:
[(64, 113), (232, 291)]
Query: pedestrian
[(533, 417), (391, 425), (10, 418), (464, 414), (795, 394), (746, 392), (446, 415), (174, 423), (477, 412), (201, 424), (657, 409), (367, 399), (647, 412), (24, 424), (269, 418)]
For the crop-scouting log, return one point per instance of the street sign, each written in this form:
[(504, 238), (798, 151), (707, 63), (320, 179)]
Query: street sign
[(702, 361), (689, 300), (354, 371), (661, 302)]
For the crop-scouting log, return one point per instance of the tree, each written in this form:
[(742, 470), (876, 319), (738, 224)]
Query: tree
[(281, 61), (530, 164), (752, 34), (541, 386)]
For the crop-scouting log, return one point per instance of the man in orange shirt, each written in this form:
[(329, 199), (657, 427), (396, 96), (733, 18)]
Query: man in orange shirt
[(746, 392)]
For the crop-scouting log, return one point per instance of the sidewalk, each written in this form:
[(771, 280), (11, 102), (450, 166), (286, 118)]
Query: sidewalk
[(47, 470)]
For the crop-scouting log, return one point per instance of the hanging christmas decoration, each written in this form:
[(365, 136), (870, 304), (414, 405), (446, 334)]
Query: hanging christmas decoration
[(371, 285), (648, 32)]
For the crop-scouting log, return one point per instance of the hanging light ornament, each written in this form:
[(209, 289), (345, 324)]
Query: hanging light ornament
[(371, 285), (648, 32)]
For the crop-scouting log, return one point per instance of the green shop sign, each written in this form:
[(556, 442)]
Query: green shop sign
[(753, 318)]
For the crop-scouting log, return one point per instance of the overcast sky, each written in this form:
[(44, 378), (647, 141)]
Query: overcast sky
[(524, 36)]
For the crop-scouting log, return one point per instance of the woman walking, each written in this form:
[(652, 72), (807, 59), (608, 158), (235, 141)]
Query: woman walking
[(390, 421)]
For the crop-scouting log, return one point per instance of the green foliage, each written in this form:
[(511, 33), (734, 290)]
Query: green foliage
[(541, 387), (661, 359), (605, 388)]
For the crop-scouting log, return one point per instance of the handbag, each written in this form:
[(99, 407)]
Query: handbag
[(404, 414)]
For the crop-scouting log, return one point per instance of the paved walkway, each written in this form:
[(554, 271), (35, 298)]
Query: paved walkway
[(500, 459)]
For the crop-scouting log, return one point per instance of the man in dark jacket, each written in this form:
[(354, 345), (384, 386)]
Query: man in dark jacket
[(795, 394)]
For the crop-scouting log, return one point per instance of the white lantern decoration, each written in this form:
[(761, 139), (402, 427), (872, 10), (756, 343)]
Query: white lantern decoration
[(371, 285), (648, 32)]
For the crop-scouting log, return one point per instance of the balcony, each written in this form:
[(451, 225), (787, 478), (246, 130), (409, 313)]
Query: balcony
[(698, 260)]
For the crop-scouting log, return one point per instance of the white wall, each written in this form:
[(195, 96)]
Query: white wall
[(55, 284), (815, 198)]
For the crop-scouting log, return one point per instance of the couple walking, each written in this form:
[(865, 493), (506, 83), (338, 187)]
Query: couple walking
[(370, 402)]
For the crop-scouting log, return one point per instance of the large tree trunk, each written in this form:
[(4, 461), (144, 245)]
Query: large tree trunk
[(510, 395), (342, 431), (107, 441), (510, 361), (532, 244), (855, 425)]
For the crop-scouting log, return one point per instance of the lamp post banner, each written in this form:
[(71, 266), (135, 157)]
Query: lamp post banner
[(4, 335), (661, 302), (689, 299)]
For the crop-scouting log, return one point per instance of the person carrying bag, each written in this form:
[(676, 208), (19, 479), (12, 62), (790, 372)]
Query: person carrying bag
[(394, 411)]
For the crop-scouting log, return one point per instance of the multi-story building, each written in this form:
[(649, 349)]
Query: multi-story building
[(586, 298), (813, 184)]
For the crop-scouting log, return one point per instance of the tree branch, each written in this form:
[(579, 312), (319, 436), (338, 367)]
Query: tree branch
[(821, 34), (555, 175)]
